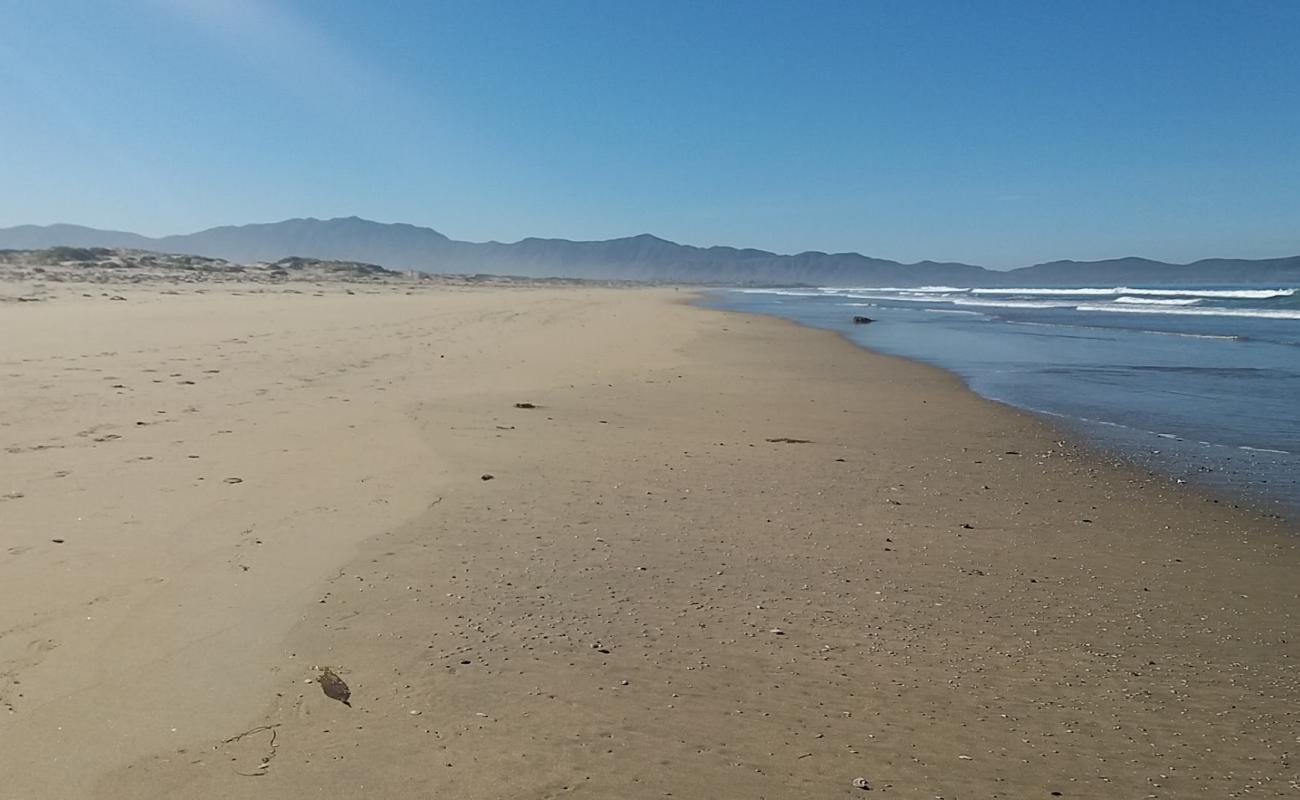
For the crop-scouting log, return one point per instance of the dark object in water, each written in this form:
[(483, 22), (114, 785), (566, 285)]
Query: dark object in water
[(862, 320), (334, 687)]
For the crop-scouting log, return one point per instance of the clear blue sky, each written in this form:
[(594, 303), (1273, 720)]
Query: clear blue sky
[(1000, 133)]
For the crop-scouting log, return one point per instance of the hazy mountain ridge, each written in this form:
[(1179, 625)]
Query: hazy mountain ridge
[(643, 257), (42, 237)]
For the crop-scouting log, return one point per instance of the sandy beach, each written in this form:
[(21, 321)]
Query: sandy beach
[(713, 555)]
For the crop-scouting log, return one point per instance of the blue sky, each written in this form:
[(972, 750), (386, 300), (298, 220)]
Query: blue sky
[(1000, 133)]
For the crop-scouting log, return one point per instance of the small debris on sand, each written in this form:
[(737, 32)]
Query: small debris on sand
[(788, 440), (486, 476), (525, 405), (334, 687)]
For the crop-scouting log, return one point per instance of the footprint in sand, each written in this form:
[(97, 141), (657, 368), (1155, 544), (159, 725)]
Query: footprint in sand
[(33, 448), (10, 670)]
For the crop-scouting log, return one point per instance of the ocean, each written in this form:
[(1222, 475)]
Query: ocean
[(1199, 382)]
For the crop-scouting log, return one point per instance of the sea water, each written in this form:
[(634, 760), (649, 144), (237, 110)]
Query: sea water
[(1200, 382)]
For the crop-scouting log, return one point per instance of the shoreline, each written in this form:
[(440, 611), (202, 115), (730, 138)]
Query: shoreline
[(724, 550), (1271, 507)]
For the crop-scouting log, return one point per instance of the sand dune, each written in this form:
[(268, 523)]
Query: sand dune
[(208, 498)]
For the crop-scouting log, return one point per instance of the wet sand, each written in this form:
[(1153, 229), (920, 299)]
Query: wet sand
[(722, 556)]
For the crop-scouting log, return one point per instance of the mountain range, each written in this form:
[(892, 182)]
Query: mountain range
[(642, 258)]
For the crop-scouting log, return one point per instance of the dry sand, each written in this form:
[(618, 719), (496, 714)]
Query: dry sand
[(206, 497)]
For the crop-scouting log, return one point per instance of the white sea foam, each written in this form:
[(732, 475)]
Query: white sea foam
[(1085, 299), (1081, 291), (894, 297), (1203, 311), (787, 292), (916, 289), (1237, 294), (1013, 303), (963, 301), (1159, 301), (1133, 305), (1184, 334), (1227, 294), (1053, 292)]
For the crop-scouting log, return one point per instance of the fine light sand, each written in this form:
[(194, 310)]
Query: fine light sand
[(205, 497)]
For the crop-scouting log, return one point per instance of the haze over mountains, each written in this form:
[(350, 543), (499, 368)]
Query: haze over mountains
[(644, 257)]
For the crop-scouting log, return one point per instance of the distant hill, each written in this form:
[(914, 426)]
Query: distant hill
[(41, 237), (641, 258)]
